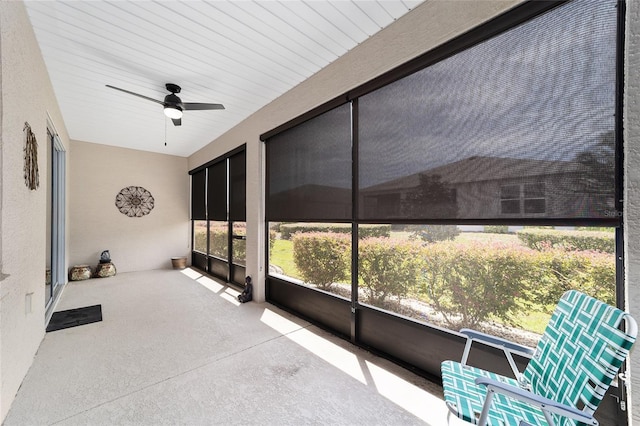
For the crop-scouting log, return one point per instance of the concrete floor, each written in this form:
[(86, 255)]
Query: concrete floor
[(175, 347)]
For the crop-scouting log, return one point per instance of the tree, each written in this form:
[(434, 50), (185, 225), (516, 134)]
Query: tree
[(599, 164), (432, 198), (433, 233)]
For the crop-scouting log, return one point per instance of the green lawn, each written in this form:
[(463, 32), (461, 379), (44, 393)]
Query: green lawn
[(534, 321), (282, 256)]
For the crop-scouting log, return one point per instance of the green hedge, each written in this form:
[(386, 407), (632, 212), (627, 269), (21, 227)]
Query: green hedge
[(388, 267), (472, 283), (374, 231), (219, 239), (465, 283), (322, 258), (543, 239), (433, 233), (200, 240), (496, 229), (364, 231), (591, 272)]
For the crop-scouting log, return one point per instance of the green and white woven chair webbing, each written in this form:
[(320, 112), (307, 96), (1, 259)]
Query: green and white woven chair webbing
[(580, 352), (574, 363), (466, 398)]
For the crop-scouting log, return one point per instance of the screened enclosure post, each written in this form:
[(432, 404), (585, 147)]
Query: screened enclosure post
[(267, 224), (619, 124), (623, 411), (619, 157), (354, 226), (206, 210), (230, 250), (354, 282), (620, 283)]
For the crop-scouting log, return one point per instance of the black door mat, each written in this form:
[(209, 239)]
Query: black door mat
[(75, 317)]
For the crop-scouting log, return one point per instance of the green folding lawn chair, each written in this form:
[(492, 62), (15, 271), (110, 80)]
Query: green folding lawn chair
[(570, 370)]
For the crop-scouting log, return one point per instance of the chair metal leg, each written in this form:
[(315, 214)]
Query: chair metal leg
[(482, 421), (548, 417)]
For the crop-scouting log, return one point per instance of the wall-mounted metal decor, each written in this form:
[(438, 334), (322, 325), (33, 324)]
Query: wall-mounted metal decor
[(31, 173), (134, 201)]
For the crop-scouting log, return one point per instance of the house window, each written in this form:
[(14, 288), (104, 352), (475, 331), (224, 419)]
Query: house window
[(534, 198), (528, 198), (510, 199)]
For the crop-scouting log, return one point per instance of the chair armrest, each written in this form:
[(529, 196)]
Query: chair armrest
[(507, 347), (497, 341), (545, 404)]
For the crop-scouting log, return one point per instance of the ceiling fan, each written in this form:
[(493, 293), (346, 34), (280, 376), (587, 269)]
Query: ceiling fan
[(173, 105)]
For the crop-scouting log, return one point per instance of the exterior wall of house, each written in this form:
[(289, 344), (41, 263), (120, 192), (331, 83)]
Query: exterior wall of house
[(482, 199), (631, 216), (26, 94), (98, 173), (427, 26)]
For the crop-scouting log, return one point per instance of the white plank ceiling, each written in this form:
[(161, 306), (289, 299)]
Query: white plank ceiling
[(239, 53)]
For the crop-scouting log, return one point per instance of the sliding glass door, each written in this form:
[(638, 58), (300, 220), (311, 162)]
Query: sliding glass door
[(55, 272)]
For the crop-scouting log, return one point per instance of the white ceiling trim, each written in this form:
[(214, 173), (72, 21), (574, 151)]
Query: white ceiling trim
[(243, 54)]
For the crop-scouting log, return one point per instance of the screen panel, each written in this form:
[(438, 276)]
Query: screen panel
[(237, 187), (198, 188), (520, 126), (309, 169), (217, 191)]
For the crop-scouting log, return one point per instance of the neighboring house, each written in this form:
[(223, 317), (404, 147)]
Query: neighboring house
[(485, 187)]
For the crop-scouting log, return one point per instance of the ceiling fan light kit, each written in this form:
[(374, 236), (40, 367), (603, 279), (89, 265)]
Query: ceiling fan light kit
[(173, 112), (173, 105)]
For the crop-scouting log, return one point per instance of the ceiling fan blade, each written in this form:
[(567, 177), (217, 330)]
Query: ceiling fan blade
[(136, 94), (197, 106), (177, 121)]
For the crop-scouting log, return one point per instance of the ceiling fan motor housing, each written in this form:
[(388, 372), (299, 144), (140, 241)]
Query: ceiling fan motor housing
[(173, 101)]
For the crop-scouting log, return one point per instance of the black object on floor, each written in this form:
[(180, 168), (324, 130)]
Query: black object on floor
[(75, 317)]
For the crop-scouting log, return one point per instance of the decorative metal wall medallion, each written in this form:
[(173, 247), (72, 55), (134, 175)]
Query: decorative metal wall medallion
[(134, 201)]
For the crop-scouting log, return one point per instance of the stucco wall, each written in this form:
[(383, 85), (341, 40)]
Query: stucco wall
[(632, 186), (27, 95), (98, 173), (424, 28)]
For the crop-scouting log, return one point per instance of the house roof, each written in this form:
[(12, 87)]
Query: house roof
[(483, 168)]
